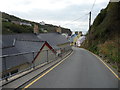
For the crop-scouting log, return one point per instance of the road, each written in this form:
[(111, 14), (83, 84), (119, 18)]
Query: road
[(80, 70)]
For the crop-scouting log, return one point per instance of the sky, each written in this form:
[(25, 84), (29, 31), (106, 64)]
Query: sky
[(72, 14)]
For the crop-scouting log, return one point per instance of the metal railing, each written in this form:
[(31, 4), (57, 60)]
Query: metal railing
[(17, 63)]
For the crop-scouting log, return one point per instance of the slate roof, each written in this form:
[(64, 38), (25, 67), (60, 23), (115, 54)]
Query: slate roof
[(24, 43), (29, 46), (53, 39), (8, 40), (22, 47)]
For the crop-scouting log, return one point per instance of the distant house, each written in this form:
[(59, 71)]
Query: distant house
[(21, 23), (80, 41), (4, 20), (22, 51), (24, 23), (43, 30), (16, 22), (74, 38), (42, 23), (59, 30), (36, 29)]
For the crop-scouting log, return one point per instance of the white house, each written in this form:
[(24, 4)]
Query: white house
[(80, 41), (24, 23), (42, 23)]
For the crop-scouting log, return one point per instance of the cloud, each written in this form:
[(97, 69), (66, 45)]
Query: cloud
[(26, 5), (58, 12)]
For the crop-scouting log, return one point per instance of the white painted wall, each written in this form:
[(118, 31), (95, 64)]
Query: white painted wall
[(42, 57)]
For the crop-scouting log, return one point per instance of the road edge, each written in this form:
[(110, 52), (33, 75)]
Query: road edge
[(114, 73)]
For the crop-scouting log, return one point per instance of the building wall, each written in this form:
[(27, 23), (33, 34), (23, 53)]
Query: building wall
[(59, 30), (41, 58), (36, 29), (45, 55), (51, 55), (65, 47)]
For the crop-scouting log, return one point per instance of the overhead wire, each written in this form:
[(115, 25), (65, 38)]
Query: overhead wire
[(93, 5), (83, 15), (91, 11), (76, 19)]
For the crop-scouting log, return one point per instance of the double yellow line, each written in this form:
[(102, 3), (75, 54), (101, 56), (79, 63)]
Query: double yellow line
[(46, 72)]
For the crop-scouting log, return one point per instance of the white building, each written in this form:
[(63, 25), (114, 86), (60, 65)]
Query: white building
[(24, 23), (80, 41), (42, 23)]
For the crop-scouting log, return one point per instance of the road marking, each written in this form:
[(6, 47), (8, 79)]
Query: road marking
[(46, 72), (105, 65)]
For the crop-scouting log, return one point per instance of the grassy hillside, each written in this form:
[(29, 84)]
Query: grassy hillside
[(103, 37), (9, 27)]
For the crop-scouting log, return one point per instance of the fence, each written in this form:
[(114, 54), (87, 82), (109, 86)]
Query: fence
[(17, 63)]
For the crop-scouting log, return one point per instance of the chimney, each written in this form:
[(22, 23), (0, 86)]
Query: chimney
[(36, 29), (59, 30)]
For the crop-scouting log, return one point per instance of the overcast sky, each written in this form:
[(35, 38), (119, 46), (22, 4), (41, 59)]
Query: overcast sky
[(56, 12)]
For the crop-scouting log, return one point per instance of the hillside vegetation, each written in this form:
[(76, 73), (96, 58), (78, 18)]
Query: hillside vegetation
[(9, 27), (104, 35)]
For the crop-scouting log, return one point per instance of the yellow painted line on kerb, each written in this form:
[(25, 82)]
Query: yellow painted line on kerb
[(46, 72), (106, 65)]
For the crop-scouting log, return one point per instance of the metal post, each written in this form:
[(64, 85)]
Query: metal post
[(56, 55), (47, 56), (61, 53), (33, 59), (4, 60)]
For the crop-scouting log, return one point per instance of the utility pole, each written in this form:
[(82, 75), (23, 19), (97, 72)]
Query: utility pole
[(47, 57), (6, 76), (89, 20), (89, 27)]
